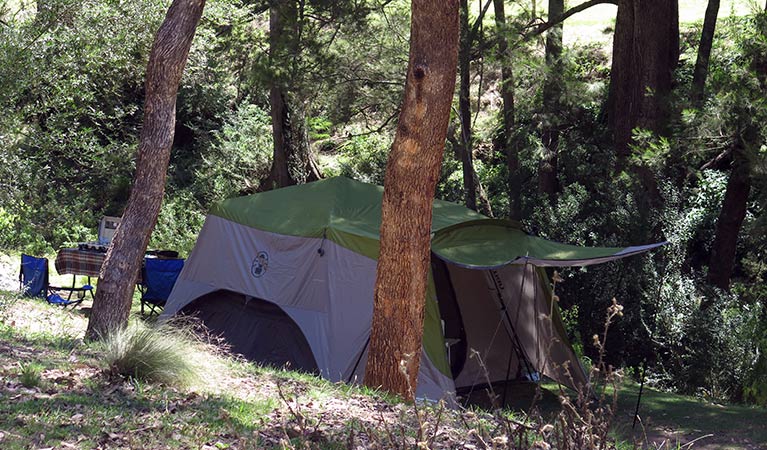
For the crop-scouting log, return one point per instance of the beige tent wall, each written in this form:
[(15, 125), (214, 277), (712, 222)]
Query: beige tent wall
[(486, 298), (328, 294)]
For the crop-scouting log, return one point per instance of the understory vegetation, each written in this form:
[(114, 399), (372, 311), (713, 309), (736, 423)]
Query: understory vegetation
[(59, 391), (71, 92)]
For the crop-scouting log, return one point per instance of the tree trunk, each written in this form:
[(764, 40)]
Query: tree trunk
[(412, 172), (123, 259), (704, 52), (292, 162), (552, 91), (733, 212), (645, 54), (484, 205), (728, 225), (464, 108), (507, 96)]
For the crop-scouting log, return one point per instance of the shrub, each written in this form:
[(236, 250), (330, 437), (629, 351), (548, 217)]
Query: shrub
[(363, 158), (178, 224), (238, 158), (164, 353)]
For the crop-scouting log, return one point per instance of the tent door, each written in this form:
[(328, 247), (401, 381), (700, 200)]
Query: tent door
[(257, 329), (453, 329)]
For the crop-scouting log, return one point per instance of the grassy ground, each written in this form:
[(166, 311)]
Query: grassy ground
[(680, 418), (55, 393)]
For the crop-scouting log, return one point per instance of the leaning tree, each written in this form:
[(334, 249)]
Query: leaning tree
[(412, 172), (119, 272)]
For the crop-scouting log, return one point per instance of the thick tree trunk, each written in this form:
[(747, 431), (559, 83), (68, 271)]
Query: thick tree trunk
[(645, 54), (548, 183), (279, 176), (412, 172), (123, 260), (704, 52), (507, 97), (733, 212), (728, 225), (464, 108), (292, 161)]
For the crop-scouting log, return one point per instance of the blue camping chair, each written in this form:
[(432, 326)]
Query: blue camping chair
[(157, 280), (33, 282)]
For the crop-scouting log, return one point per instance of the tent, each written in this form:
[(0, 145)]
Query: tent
[(287, 276)]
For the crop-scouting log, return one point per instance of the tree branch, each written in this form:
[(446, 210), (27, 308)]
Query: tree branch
[(478, 22), (574, 10), (717, 161)]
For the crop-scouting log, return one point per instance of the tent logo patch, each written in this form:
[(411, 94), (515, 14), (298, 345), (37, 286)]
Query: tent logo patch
[(260, 264)]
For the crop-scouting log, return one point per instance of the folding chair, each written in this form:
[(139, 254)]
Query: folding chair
[(33, 282), (157, 280)]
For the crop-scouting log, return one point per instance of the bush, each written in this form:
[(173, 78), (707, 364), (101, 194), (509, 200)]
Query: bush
[(163, 353), (364, 158), (239, 156), (178, 225)]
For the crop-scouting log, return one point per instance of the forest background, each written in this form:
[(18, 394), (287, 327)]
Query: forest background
[(589, 169)]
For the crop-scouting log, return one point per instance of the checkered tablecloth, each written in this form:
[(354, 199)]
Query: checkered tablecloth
[(79, 262)]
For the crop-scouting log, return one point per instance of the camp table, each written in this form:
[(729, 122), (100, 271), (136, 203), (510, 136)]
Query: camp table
[(76, 261), (79, 262)]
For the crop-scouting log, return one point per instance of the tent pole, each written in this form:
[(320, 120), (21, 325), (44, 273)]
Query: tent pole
[(505, 383), (359, 358), (508, 365), (516, 345), (639, 397), (652, 332)]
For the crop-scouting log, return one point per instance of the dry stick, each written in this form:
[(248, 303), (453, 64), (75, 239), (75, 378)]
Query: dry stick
[(436, 423)]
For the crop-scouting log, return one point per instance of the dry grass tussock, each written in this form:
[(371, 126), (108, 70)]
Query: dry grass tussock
[(168, 352)]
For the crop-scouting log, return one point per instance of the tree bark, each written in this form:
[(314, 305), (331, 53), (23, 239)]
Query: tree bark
[(292, 161), (507, 97), (645, 54), (700, 72), (167, 59), (548, 183), (464, 108), (412, 172), (722, 262), (733, 212)]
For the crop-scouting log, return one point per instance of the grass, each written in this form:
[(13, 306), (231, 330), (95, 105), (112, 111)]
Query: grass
[(158, 353), (29, 375), (689, 417), (55, 392)]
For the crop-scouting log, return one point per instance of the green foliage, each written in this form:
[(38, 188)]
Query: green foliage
[(755, 385), (239, 157), (178, 225), (364, 158)]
